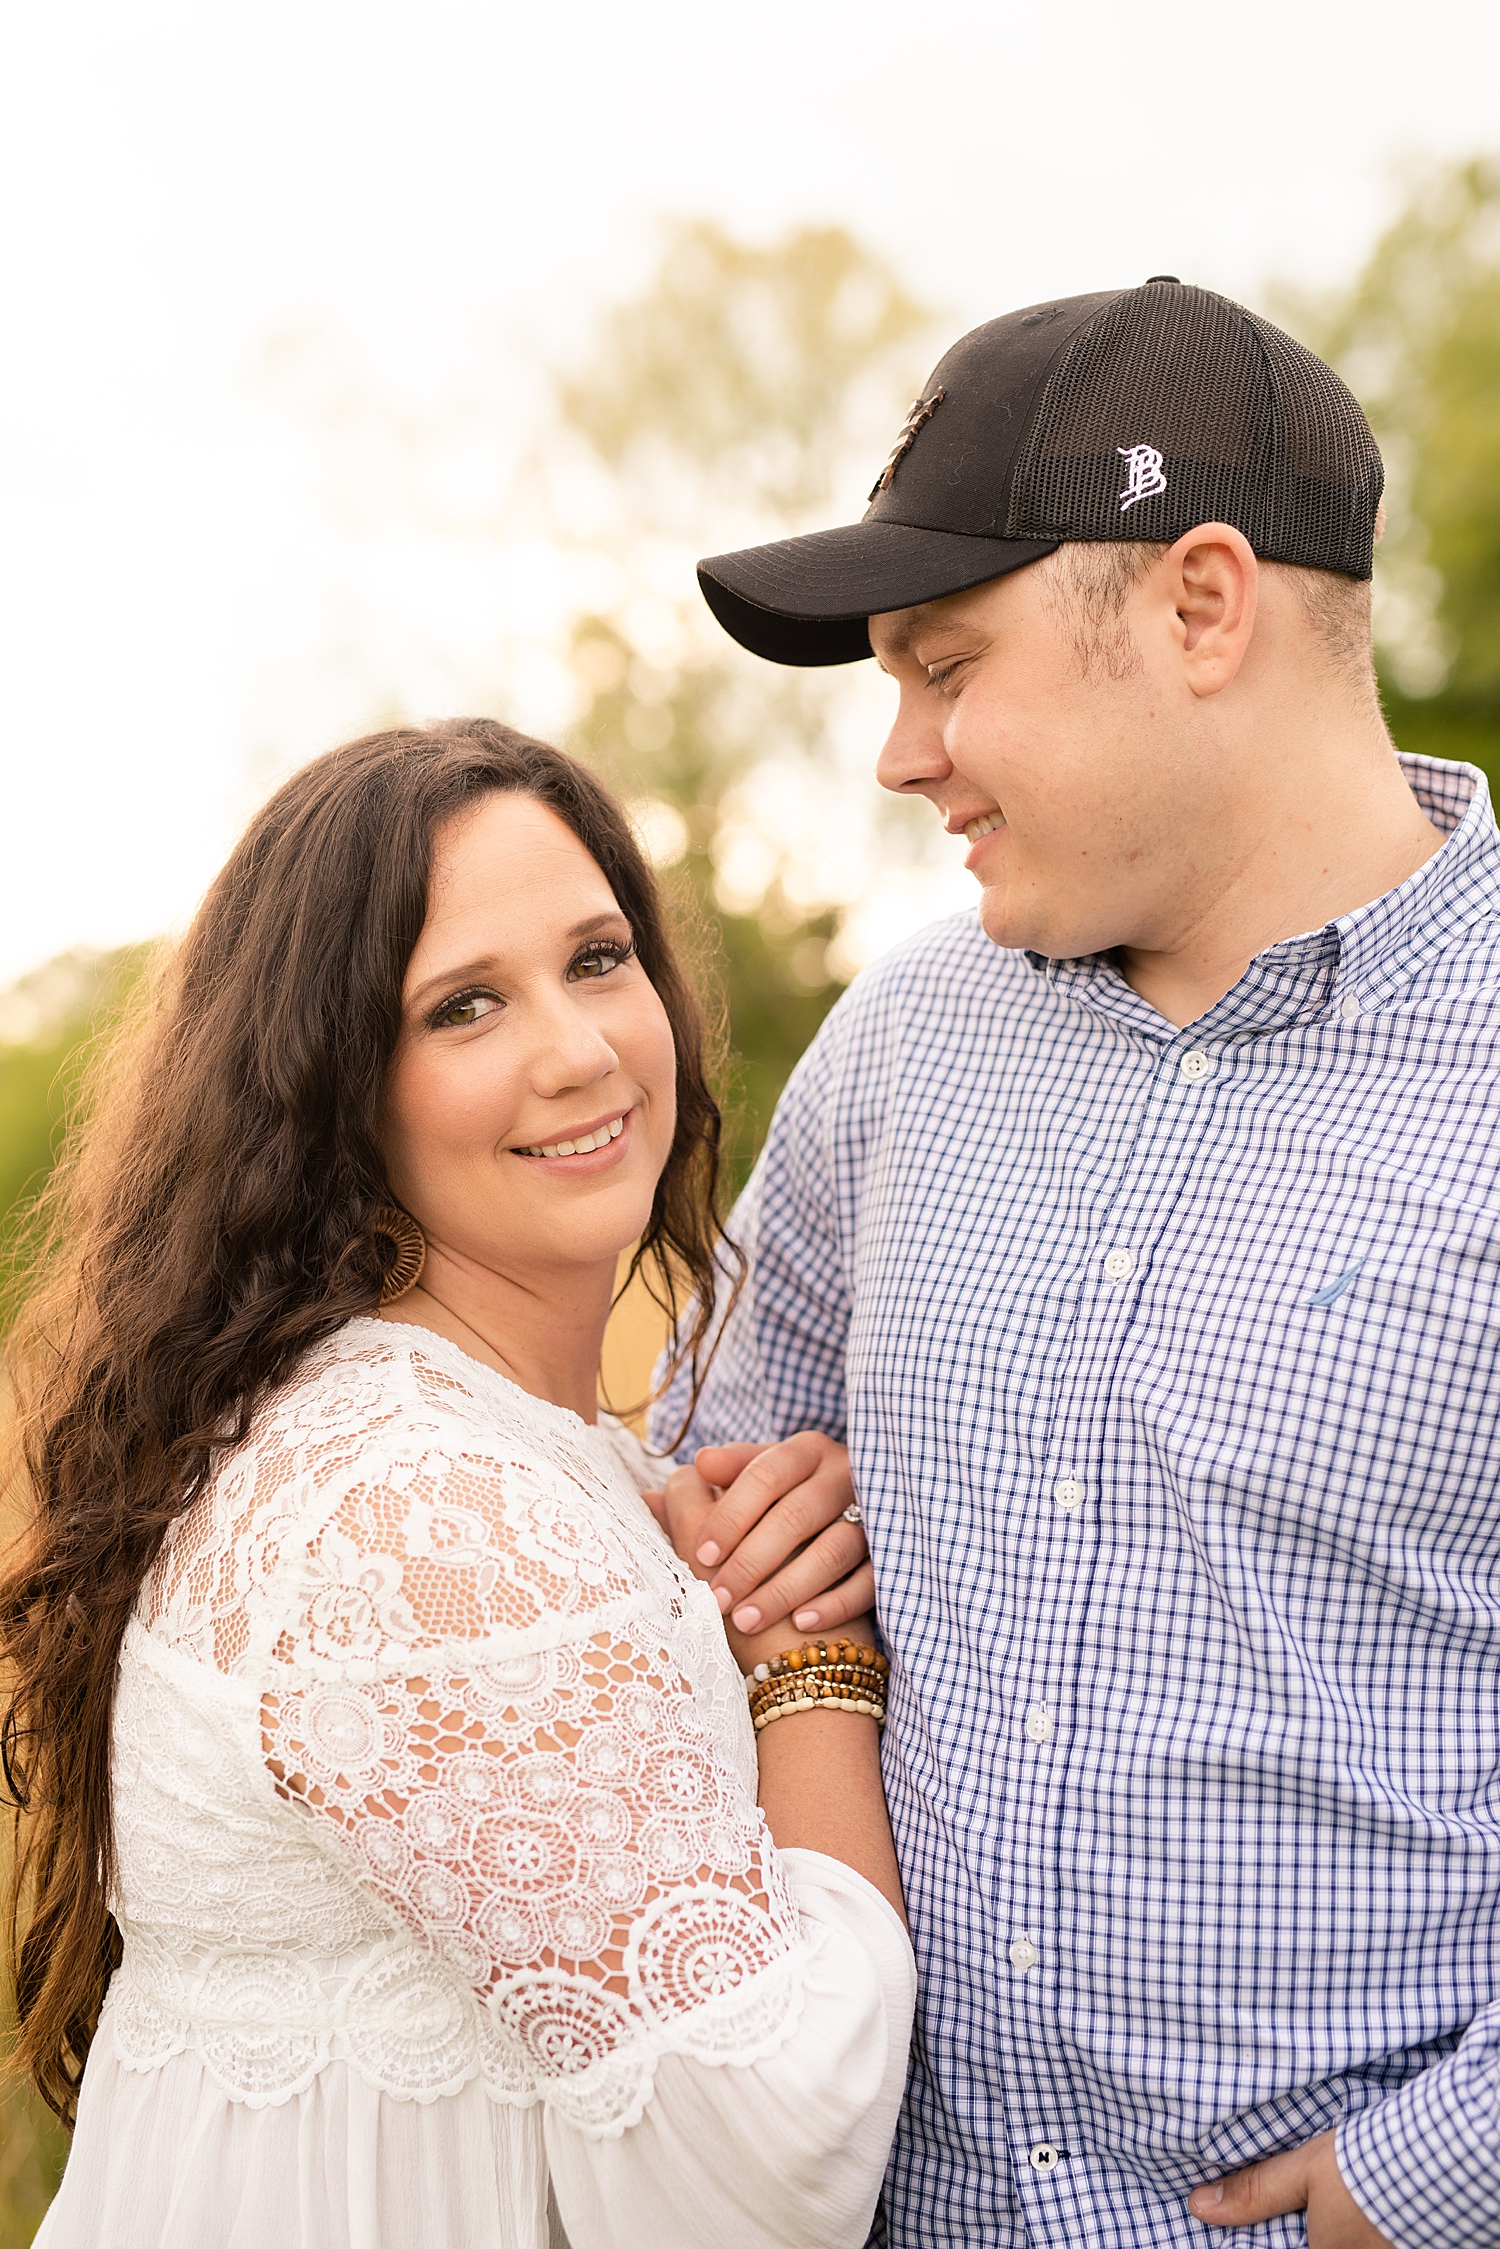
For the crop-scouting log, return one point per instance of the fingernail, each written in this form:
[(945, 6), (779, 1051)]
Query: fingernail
[(723, 1596), (1204, 2199), (748, 1620), (708, 1554), (805, 1619)]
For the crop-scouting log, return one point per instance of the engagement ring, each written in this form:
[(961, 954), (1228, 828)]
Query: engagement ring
[(852, 1512)]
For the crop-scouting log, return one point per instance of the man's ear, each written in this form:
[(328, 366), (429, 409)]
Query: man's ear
[(1210, 581)]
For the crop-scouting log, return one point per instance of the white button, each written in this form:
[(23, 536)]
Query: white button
[(1197, 1065), (1045, 2157), (1038, 1725), (1349, 1006), (1119, 1265), (1068, 1493), (1023, 1954)]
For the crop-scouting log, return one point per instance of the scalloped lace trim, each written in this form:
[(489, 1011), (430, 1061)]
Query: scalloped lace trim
[(265, 2024)]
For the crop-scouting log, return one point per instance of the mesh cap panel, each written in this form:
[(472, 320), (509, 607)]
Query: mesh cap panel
[(1175, 407)]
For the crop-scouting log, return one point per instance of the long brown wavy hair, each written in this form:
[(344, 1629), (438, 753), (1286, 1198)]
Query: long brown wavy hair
[(213, 1222)]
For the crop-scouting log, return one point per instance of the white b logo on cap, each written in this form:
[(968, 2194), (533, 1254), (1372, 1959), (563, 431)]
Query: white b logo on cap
[(1146, 479)]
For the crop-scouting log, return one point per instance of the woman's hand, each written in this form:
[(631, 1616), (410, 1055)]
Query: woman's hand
[(765, 1527)]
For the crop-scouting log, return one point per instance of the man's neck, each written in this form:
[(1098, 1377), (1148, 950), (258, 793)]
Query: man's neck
[(1344, 845)]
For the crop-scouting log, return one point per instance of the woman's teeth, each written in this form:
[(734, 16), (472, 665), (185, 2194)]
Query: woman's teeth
[(590, 1140), (985, 825)]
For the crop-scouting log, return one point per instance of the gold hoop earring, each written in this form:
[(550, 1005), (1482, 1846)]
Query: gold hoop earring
[(411, 1250)]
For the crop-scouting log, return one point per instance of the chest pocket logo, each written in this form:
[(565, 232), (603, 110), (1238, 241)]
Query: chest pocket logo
[(1331, 1291)]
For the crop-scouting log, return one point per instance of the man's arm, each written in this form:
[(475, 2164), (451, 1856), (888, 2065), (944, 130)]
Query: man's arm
[(765, 1425), (778, 1353)]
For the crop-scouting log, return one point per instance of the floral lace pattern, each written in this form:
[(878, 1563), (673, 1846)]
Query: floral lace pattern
[(431, 1757)]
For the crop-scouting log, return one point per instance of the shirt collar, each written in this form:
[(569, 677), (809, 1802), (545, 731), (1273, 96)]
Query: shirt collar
[(1369, 953)]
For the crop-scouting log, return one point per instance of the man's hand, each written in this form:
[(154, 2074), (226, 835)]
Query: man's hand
[(765, 1525), (1306, 2178)]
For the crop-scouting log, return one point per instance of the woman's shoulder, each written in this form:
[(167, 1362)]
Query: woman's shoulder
[(396, 1502), (642, 1469), (374, 1380)]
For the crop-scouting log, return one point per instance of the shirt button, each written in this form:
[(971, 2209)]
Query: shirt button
[(1119, 1265), (1349, 1006), (1045, 2157), (1038, 1725), (1196, 1065), (1023, 1953), (1068, 1493)]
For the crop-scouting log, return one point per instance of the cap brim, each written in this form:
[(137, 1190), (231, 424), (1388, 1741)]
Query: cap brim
[(809, 600)]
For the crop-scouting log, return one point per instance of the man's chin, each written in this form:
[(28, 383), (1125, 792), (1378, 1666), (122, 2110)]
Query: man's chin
[(1024, 924), (1006, 921)]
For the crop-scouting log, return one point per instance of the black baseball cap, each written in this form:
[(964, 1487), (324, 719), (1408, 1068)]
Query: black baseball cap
[(1130, 414)]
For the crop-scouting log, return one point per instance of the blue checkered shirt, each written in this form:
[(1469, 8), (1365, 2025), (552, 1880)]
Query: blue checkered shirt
[(1168, 1364)]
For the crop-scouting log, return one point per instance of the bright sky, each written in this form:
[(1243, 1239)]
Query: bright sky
[(447, 192)]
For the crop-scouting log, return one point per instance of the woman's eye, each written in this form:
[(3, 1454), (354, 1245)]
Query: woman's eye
[(599, 960), (464, 1007)]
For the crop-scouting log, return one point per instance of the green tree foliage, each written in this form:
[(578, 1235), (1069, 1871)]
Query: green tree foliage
[(33, 2149), (731, 396), (1417, 337), (48, 1023), (772, 964), (731, 374)]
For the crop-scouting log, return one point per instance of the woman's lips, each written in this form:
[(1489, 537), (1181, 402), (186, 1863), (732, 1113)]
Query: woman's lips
[(610, 1138)]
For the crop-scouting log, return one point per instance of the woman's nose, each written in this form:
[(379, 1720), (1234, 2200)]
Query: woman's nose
[(570, 1051)]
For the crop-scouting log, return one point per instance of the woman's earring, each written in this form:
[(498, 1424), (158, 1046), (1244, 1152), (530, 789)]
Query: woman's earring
[(411, 1251)]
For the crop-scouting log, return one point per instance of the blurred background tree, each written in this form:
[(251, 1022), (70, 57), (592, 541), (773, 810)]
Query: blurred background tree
[(1417, 338), (47, 1021), (46, 1026), (746, 394)]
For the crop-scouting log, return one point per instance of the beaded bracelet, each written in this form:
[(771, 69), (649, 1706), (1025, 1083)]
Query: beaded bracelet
[(823, 1674)]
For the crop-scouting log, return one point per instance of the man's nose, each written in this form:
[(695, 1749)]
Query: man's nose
[(913, 759)]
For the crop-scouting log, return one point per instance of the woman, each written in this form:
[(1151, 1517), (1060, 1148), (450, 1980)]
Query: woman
[(393, 1853)]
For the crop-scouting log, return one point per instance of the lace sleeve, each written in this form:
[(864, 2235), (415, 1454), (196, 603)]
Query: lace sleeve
[(559, 1829), (556, 1822)]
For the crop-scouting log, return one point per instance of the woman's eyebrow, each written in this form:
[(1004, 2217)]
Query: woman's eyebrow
[(599, 921), (486, 964)]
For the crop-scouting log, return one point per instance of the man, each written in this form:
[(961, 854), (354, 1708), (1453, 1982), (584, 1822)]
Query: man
[(1143, 1234)]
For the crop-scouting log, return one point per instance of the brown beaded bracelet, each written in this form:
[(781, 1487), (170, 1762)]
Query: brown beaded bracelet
[(826, 1674)]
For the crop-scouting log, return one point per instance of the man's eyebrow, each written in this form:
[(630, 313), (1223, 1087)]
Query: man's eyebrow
[(901, 636), (485, 964)]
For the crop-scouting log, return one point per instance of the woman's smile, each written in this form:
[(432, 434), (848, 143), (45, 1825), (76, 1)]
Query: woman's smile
[(583, 1150)]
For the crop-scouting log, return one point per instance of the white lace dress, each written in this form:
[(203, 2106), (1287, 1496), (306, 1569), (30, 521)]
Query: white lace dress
[(450, 1919)]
